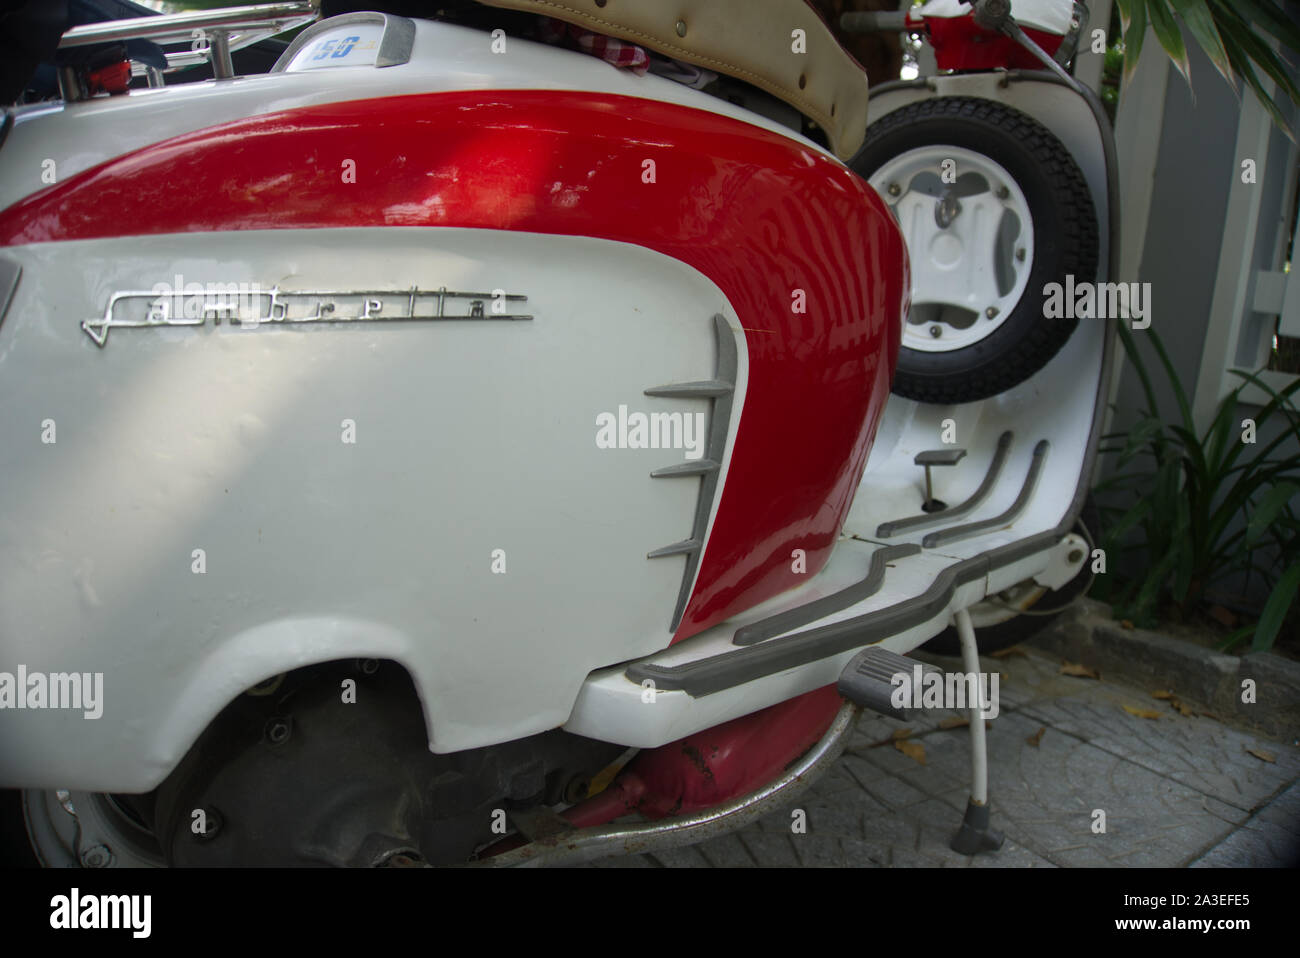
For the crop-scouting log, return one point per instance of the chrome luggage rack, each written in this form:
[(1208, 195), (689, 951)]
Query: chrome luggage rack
[(211, 36)]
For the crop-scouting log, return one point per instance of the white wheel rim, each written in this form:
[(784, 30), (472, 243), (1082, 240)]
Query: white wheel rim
[(969, 272), (62, 825)]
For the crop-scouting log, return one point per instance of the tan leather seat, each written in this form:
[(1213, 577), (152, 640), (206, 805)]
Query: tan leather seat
[(751, 40)]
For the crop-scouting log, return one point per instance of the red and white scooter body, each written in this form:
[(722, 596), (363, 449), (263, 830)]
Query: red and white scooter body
[(648, 413)]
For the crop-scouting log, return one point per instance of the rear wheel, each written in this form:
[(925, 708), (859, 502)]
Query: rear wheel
[(328, 765), (993, 208)]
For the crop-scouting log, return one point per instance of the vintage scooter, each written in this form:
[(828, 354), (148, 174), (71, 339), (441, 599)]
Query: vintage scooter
[(448, 447)]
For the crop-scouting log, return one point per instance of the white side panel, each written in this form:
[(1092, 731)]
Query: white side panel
[(471, 436), (444, 58)]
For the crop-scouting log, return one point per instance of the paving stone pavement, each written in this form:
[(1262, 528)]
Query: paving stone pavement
[(1176, 790)]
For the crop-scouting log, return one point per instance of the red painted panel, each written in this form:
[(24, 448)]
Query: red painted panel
[(732, 759), (759, 214), (961, 44), (708, 768)]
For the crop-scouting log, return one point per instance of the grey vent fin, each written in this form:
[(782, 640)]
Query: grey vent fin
[(720, 389)]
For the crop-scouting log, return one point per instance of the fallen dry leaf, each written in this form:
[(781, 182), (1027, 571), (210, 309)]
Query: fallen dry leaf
[(958, 721), (1082, 671), (894, 736), (1125, 624), (1224, 617), (1175, 702), (1142, 713), (913, 750), (1262, 755), (1037, 736), (1007, 653)]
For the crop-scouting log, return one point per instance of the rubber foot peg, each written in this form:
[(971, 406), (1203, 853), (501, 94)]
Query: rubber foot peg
[(975, 836)]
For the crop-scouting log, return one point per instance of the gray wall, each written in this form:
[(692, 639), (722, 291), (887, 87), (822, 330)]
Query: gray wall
[(1195, 167)]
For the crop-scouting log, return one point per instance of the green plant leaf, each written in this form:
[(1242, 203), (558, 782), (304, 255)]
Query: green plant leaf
[(1133, 22), (1279, 401), (1131, 518), (1274, 501), (1234, 638), (1242, 64), (1262, 13), (1140, 367), (1266, 58), (1170, 37), (1196, 14), (1216, 437), (1180, 394), (1143, 431), (1185, 566), (1276, 608), (1152, 586)]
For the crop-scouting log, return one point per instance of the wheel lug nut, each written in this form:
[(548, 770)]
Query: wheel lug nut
[(212, 822), (1020, 254), (895, 189), (991, 312), (277, 731), (1003, 192), (97, 856), (936, 331)]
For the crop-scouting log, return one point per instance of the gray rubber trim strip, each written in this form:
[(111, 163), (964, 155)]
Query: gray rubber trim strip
[(723, 674), (820, 608), (894, 526), (721, 390), (718, 672), (957, 533), (9, 273)]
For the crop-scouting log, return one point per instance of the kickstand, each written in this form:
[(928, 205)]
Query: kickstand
[(975, 834)]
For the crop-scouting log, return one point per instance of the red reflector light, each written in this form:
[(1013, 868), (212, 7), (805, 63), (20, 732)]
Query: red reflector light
[(114, 78)]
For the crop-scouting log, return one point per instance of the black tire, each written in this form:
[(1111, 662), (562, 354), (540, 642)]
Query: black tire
[(1065, 239), (1046, 610), (15, 848)]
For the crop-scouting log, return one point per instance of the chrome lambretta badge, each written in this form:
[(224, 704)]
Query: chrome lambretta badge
[(251, 307)]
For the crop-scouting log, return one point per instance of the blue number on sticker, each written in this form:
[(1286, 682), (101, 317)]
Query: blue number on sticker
[(324, 50), (345, 47)]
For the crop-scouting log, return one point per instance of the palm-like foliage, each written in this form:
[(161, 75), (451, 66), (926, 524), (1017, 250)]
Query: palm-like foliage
[(1232, 33), (1203, 507)]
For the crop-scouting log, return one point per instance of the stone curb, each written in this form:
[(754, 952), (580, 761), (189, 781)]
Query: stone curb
[(1201, 677)]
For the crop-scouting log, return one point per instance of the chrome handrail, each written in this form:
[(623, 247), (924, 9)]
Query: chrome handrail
[(179, 27), (214, 34)]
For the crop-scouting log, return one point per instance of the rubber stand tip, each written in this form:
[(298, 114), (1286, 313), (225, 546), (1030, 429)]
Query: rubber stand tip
[(975, 835)]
